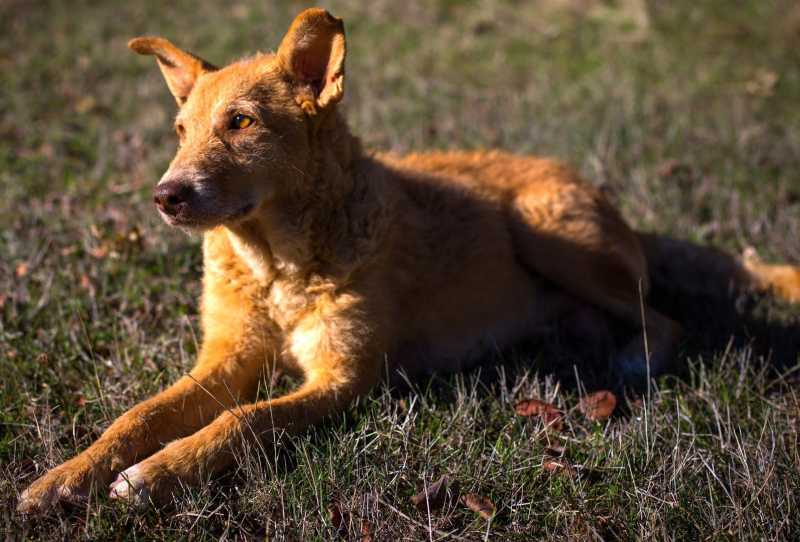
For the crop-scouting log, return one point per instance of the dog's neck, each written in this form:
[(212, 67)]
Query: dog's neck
[(290, 236)]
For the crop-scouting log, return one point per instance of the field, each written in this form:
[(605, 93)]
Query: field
[(686, 113)]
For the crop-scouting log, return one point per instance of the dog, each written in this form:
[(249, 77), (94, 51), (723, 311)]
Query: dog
[(334, 263)]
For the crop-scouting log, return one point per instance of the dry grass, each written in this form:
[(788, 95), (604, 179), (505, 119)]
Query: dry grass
[(685, 112)]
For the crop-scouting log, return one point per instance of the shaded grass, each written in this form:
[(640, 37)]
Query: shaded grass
[(689, 120)]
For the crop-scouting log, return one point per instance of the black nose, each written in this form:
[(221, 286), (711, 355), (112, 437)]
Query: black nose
[(172, 196)]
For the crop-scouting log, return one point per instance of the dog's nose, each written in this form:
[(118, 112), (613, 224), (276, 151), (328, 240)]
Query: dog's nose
[(171, 196)]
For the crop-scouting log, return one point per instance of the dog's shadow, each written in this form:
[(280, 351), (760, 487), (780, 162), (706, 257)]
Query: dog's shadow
[(765, 331), (769, 328)]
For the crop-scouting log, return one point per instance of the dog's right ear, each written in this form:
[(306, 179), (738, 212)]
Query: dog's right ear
[(180, 69)]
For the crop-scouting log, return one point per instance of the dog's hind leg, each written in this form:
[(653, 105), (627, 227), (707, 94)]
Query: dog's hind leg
[(571, 235)]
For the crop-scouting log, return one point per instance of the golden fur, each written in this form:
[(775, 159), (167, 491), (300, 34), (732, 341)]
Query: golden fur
[(337, 264)]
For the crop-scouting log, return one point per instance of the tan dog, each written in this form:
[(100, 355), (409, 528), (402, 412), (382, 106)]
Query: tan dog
[(331, 262)]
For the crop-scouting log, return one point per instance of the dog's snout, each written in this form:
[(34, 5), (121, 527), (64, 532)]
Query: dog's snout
[(171, 196)]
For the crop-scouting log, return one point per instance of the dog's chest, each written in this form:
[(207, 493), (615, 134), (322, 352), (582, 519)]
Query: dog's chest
[(278, 294), (293, 308), (286, 301)]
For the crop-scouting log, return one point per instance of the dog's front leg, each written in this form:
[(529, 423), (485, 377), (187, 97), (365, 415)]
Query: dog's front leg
[(225, 374), (333, 380)]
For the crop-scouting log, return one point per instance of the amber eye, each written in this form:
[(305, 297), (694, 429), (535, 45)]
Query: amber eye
[(240, 122)]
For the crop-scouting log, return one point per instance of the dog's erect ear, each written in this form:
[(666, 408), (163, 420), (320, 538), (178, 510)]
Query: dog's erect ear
[(180, 69), (312, 54)]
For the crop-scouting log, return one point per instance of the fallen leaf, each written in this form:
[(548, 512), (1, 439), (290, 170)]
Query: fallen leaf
[(599, 405), (366, 531), (22, 269), (479, 504), (555, 466), (550, 415), (762, 84), (47, 150), (85, 105), (338, 517), (99, 252), (432, 497), (86, 282)]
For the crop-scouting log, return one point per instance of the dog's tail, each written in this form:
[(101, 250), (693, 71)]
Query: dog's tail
[(681, 266)]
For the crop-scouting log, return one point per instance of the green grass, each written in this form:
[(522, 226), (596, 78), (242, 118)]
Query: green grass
[(686, 113)]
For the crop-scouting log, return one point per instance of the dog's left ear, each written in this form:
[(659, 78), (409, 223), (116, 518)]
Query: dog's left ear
[(180, 69), (312, 55)]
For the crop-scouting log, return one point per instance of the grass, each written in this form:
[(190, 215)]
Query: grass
[(685, 113)]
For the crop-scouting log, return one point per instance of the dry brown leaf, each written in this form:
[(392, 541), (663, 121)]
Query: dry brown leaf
[(338, 517), (550, 415), (558, 466), (99, 252), (763, 83), (599, 405), (85, 105), (479, 504), (432, 496), (22, 269), (366, 531)]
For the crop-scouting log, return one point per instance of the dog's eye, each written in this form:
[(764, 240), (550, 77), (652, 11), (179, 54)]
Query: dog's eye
[(240, 122)]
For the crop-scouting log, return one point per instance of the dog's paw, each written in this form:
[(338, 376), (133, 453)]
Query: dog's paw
[(131, 485), (69, 483), (153, 480)]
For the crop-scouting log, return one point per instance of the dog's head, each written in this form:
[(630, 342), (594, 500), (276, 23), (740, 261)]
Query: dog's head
[(245, 130)]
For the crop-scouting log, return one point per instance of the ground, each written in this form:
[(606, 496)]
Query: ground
[(685, 113)]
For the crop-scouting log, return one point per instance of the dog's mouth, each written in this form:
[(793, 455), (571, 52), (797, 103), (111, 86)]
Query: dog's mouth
[(242, 212), (186, 217)]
